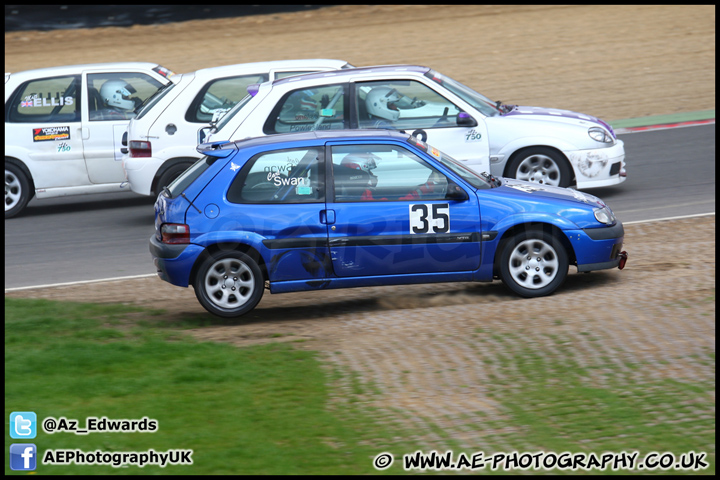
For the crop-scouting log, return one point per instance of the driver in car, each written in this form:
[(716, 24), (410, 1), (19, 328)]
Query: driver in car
[(365, 162), (384, 105), (117, 102)]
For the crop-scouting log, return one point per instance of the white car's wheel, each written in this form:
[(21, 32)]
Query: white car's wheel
[(533, 263), (229, 284), (540, 165), (171, 174), (17, 190)]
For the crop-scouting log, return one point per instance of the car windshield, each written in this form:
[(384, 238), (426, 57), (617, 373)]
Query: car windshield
[(477, 181), (153, 99), (483, 104), (232, 112)]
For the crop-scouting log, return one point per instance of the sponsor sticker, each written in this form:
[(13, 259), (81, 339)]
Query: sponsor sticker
[(45, 134)]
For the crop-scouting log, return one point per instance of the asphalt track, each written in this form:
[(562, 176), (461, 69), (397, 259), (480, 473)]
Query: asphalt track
[(671, 172)]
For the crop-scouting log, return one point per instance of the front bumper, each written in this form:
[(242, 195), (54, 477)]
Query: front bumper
[(174, 262), (599, 167), (598, 248)]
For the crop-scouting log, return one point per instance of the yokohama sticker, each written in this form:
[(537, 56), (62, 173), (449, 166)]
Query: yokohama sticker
[(51, 134)]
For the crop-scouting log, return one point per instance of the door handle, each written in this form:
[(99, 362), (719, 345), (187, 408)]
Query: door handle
[(327, 217)]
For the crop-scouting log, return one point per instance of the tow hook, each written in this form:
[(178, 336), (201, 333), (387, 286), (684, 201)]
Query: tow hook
[(623, 259)]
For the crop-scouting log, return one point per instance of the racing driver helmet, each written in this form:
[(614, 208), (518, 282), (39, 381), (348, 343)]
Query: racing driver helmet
[(362, 161), (116, 93), (380, 102)]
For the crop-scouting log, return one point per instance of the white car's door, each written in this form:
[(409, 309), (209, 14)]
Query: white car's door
[(112, 98), (420, 110)]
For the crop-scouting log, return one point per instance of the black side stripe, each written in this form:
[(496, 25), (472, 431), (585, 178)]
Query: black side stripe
[(376, 240)]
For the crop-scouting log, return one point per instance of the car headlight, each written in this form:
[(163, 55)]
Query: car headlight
[(600, 135), (604, 215)]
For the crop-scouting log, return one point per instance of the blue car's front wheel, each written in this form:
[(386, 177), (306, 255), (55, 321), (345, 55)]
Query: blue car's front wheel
[(533, 263), (229, 284)]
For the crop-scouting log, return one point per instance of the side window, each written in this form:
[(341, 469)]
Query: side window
[(46, 100), (402, 105), (117, 96), (384, 173), (284, 176), (320, 108), (220, 94)]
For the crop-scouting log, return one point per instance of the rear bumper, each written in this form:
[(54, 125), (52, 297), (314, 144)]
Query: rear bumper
[(140, 173), (174, 262)]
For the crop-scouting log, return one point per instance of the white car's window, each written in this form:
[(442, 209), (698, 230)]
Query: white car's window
[(221, 94), (402, 105), (154, 99), (46, 100), (285, 176), (384, 173), (118, 96), (309, 109)]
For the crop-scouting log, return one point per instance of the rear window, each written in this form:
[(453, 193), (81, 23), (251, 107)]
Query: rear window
[(188, 176), (220, 95), (154, 99)]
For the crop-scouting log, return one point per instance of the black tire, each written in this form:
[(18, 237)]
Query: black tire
[(533, 263), (540, 165), (229, 284), (17, 190), (170, 174)]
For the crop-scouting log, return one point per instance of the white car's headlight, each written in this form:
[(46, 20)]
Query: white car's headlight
[(600, 135), (604, 215)]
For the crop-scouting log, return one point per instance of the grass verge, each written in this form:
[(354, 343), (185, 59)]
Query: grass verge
[(255, 410)]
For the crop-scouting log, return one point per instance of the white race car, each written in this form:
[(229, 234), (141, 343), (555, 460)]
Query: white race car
[(63, 127), (545, 146), (161, 138)]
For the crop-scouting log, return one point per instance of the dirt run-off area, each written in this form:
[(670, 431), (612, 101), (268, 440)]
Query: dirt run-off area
[(434, 351), (611, 61)]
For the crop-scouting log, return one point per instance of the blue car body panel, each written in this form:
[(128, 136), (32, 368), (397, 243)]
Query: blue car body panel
[(308, 246)]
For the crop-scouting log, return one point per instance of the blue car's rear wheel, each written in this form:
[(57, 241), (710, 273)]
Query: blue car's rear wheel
[(533, 263), (229, 284)]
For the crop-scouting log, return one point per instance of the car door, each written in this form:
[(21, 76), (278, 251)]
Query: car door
[(421, 110), (112, 98), (43, 120), (280, 196), (392, 214)]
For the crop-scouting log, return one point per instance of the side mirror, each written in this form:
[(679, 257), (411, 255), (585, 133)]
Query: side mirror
[(202, 134), (465, 120), (455, 192)]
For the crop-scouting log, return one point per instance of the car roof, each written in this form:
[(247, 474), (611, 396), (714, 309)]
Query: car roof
[(326, 135), (262, 67), (67, 69), (341, 74)]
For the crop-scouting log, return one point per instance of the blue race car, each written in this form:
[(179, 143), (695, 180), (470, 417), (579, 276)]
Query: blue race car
[(318, 210)]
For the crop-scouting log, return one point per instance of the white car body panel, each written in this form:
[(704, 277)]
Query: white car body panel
[(486, 147), (170, 112), (88, 161)]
